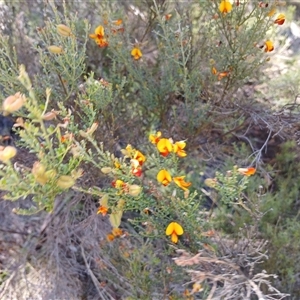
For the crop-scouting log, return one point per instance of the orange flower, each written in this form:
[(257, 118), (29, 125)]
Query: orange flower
[(164, 146), (280, 19), (214, 71), (247, 171), (178, 148), (174, 230), (225, 7), (222, 75), (181, 183), (164, 177), (168, 17), (154, 138), (110, 237), (117, 22), (136, 53), (99, 38), (117, 232), (102, 210), (269, 46)]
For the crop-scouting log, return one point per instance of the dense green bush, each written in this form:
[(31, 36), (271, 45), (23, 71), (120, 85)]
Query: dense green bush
[(137, 212)]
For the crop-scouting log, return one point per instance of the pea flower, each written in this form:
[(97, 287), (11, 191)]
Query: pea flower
[(280, 19), (225, 7), (164, 146), (247, 171), (164, 177), (140, 157), (154, 138), (269, 46), (136, 167), (136, 53), (178, 148), (102, 210), (99, 37), (118, 184), (174, 230), (181, 183)]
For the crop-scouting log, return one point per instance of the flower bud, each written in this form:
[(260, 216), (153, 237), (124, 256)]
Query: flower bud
[(38, 168), (55, 49), (65, 182), (106, 170), (13, 103), (134, 190), (7, 153), (50, 174), (64, 30), (50, 115), (39, 172), (77, 173), (93, 128)]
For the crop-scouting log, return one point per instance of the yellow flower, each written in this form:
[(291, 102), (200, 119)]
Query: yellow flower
[(178, 148), (164, 146), (99, 37), (247, 171), (269, 46), (174, 229), (280, 19), (140, 157), (136, 53), (164, 177), (225, 7), (118, 184), (154, 138), (181, 183)]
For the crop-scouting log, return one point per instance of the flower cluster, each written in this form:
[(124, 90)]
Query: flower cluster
[(165, 179), (137, 159), (226, 7), (101, 39), (167, 146)]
